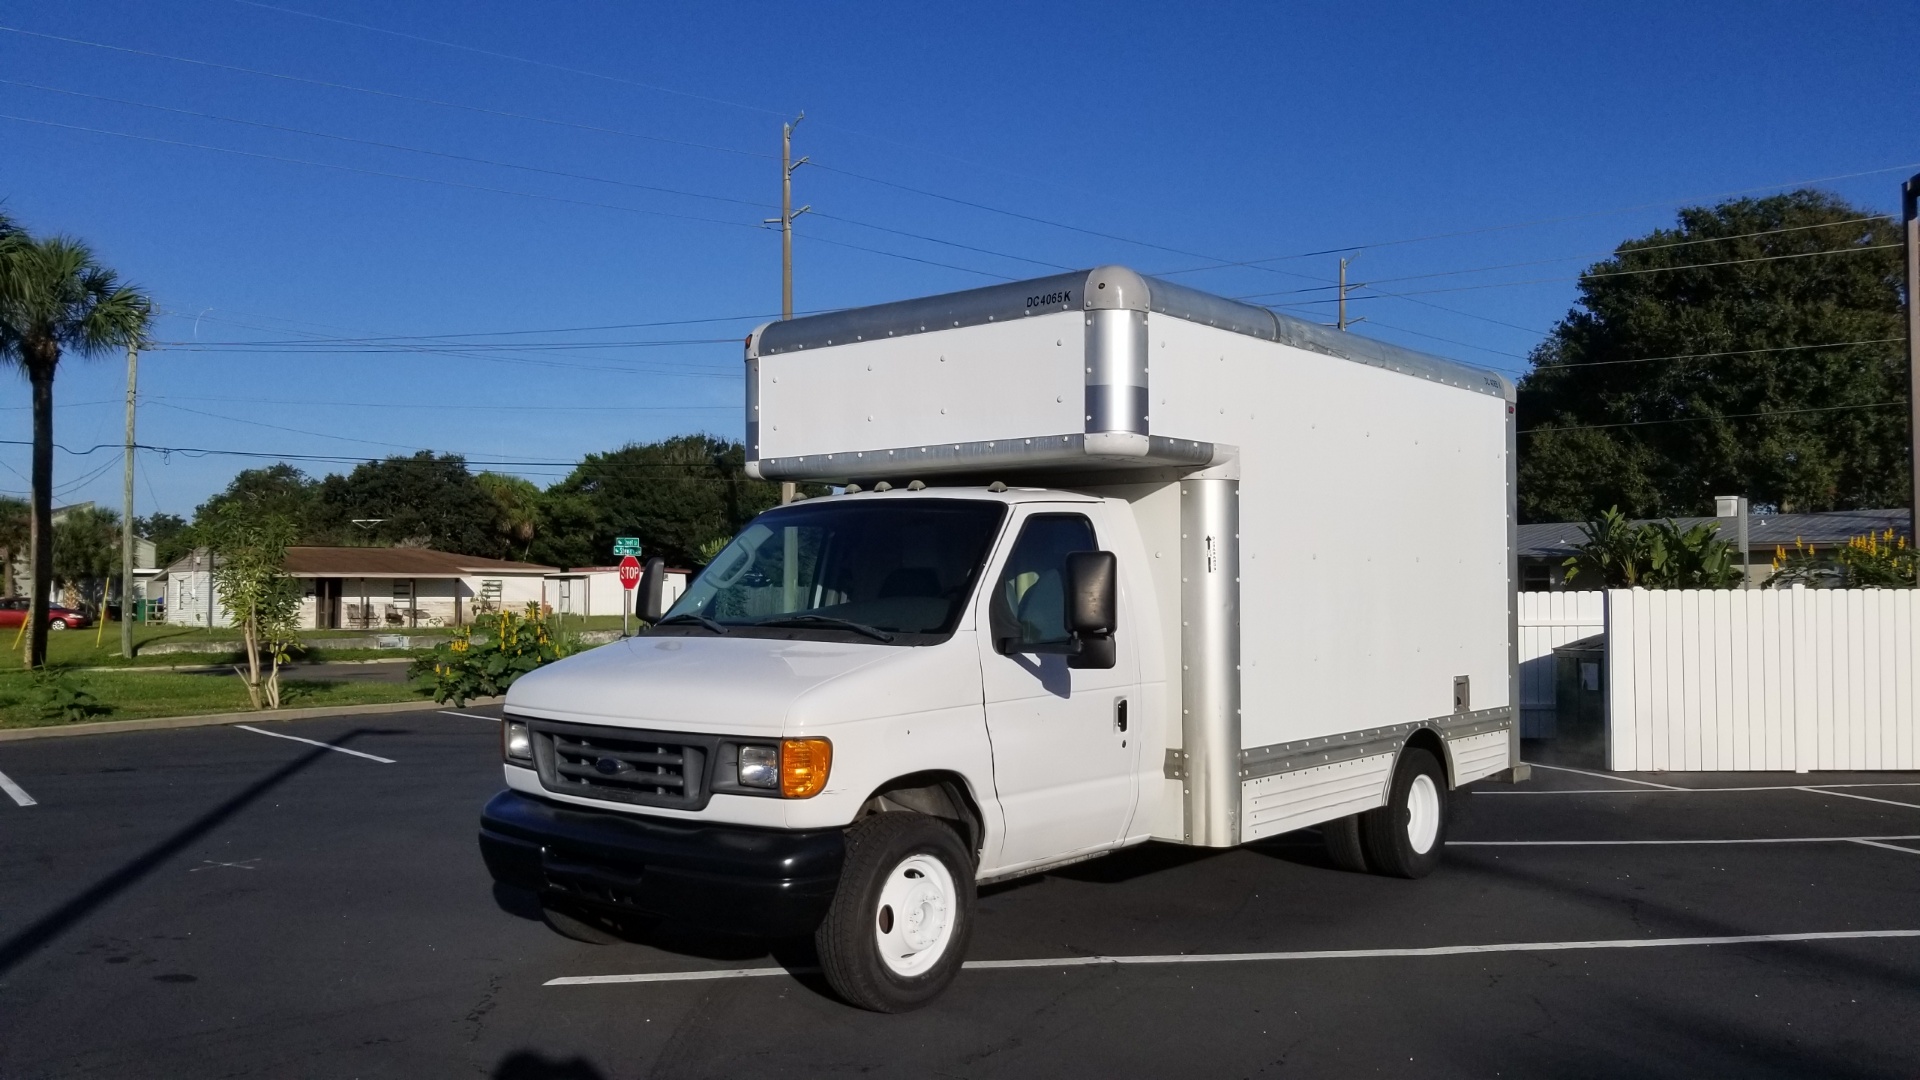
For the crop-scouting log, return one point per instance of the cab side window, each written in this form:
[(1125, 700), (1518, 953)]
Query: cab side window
[(1030, 597)]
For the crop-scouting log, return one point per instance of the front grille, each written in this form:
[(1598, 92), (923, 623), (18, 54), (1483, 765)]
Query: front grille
[(649, 768)]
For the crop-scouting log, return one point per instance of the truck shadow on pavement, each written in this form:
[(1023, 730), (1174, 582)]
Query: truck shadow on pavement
[(533, 1065), (49, 927)]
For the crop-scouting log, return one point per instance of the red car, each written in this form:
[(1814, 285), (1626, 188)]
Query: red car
[(13, 612)]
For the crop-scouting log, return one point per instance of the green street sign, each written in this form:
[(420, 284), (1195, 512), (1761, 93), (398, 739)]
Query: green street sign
[(626, 545)]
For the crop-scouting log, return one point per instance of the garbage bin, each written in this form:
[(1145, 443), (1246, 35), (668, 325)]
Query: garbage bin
[(1580, 696)]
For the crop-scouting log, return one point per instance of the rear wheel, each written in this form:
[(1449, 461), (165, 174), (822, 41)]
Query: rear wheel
[(57, 624), (901, 917), (1342, 836), (1404, 837)]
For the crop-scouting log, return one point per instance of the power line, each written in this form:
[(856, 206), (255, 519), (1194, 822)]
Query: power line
[(1548, 221), (386, 145), (1604, 274), (382, 93), (1722, 416), (516, 59), (1707, 355), (378, 172)]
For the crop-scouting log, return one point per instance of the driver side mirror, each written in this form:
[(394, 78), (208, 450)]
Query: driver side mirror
[(1092, 608), (652, 603)]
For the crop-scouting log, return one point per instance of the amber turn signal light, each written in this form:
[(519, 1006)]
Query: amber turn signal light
[(804, 764)]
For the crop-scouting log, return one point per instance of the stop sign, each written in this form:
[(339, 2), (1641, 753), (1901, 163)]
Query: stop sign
[(629, 572)]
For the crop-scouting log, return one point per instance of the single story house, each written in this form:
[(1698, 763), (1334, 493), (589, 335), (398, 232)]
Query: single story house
[(1544, 548), (356, 588), (596, 590)]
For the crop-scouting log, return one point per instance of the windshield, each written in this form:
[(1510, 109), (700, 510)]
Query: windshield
[(901, 568)]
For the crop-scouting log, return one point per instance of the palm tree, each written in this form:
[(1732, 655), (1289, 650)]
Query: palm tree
[(56, 297)]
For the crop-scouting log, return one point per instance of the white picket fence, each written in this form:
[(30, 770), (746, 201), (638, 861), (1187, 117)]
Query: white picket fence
[(1764, 679), (1548, 620)]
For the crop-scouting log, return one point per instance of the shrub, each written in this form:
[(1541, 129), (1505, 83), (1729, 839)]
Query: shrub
[(57, 697), (1869, 561), (473, 666)]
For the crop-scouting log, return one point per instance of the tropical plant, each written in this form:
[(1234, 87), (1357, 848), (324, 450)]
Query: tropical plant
[(1694, 558), (249, 574), (516, 508), (55, 298), (1624, 554), (473, 666), (1869, 561)]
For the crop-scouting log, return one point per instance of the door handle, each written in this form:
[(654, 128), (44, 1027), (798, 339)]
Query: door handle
[(1120, 714)]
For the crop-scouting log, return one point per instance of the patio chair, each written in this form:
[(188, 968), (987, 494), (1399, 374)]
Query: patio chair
[(396, 615)]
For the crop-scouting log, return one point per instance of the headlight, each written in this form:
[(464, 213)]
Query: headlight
[(804, 764), (516, 742), (759, 767)]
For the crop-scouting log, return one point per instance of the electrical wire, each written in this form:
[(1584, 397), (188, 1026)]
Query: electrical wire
[(758, 206), (1721, 416), (384, 93)]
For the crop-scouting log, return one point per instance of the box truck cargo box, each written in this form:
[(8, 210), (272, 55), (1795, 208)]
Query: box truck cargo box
[(1109, 560)]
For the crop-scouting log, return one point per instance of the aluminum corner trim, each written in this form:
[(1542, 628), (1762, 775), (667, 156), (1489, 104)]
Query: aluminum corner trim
[(1117, 288), (1116, 371), (1210, 659)]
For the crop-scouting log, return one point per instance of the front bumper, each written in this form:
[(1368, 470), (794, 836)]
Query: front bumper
[(732, 878)]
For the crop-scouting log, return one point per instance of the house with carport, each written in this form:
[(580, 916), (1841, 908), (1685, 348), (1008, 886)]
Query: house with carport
[(366, 588)]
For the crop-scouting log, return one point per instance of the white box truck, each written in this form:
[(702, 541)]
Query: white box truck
[(1111, 560)]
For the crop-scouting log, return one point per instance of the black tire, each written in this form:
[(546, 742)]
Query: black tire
[(1388, 833), (1343, 843), (849, 938)]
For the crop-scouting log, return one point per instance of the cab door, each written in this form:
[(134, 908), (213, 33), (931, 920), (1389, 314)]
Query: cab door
[(1063, 757)]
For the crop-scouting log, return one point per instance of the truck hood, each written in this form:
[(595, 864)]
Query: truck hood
[(725, 685)]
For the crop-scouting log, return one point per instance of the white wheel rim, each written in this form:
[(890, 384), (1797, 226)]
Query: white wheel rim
[(913, 923), (1423, 814), (56, 625)]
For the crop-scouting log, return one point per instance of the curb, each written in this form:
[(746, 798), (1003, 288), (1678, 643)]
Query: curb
[(163, 723), (205, 668)]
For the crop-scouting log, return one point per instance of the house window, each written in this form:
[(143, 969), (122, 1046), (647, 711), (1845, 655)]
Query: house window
[(402, 591), (489, 594), (1536, 577)]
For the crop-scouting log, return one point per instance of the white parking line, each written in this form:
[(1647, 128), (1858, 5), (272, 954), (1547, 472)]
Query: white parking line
[(1255, 957), (1604, 776), (468, 715), (1862, 798), (1677, 843), (1889, 847), (19, 793), (311, 742), (1691, 790)]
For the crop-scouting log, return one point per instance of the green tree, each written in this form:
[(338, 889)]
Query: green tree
[(86, 553), (426, 500), (677, 495), (13, 538), (170, 533), (1623, 408), (516, 512), (249, 546), (278, 489), (56, 298)]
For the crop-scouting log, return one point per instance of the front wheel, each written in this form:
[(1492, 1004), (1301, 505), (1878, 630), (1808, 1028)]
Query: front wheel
[(901, 917), (57, 624), (1404, 837)]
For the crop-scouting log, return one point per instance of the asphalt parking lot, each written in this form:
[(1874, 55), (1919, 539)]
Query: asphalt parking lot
[(234, 902)]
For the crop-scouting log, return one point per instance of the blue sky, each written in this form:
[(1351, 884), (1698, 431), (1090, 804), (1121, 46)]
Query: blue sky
[(534, 218)]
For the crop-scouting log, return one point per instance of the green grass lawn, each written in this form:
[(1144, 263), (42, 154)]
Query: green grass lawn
[(100, 647), (134, 695)]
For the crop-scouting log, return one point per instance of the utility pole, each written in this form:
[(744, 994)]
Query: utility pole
[(785, 221), (1910, 201), (126, 515), (1345, 322)]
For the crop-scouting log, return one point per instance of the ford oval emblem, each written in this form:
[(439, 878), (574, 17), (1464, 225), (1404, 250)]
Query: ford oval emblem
[(607, 766)]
